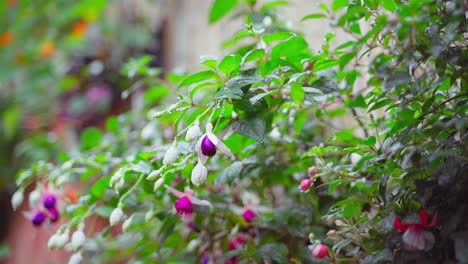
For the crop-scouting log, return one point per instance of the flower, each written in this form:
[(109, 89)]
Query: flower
[(312, 171), (184, 206), (76, 258), (78, 239), (38, 218), (53, 214), (193, 132), (49, 201), (305, 184), (158, 183), (199, 174), (320, 251), (171, 156), (34, 197), (61, 240), (17, 199), (249, 215), (116, 216), (414, 236), (209, 143)]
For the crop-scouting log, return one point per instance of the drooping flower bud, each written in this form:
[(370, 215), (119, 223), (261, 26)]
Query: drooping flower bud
[(54, 214), (78, 239), (34, 197), (320, 251), (305, 184), (312, 171), (199, 174), (49, 201), (154, 174), (249, 215), (62, 240), (207, 147), (76, 258), (127, 223), (184, 206), (52, 242), (116, 216), (119, 185), (171, 156), (193, 132), (38, 218), (149, 215), (118, 175), (158, 184), (17, 199)]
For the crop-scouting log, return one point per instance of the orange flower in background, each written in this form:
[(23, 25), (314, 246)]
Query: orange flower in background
[(72, 196), (5, 38), (79, 29), (47, 49)]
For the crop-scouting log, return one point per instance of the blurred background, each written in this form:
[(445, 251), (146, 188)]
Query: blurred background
[(62, 71)]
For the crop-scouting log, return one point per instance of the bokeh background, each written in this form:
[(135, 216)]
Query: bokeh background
[(61, 71)]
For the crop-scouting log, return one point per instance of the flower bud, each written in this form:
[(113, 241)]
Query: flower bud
[(76, 258), (199, 174), (52, 242), (61, 240), (153, 175), (34, 197), (118, 176), (127, 223), (331, 232), (311, 236), (320, 251), (78, 239), (193, 244), (17, 199), (171, 156), (249, 215), (305, 184), (159, 114), (119, 185), (158, 184), (149, 215), (207, 147), (340, 223), (312, 171), (193, 132), (116, 216)]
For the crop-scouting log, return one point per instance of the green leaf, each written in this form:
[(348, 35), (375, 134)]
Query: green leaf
[(11, 119), (229, 92), (274, 251), (230, 63), (254, 128), (290, 47), (220, 8), (198, 77), (370, 141), (112, 125), (90, 138), (357, 101), (351, 209), (325, 64), (99, 188), (380, 104), (390, 5), (299, 121), (338, 4), (274, 4), (229, 174), (313, 16), (210, 61), (254, 55), (276, 37), (297, 92)]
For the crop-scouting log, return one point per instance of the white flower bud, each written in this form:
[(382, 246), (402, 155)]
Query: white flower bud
[(34, 197), (127, 223), (116, 216), (76, 258), (171, 156), (159, 114), (275, 134), (193, 132), (52, 242), (153, 175), (118, 175), (62, 240), (199, 174), (17, 199), (193, 244), (158, 183), (78, 239), (119, 185), (149, 215)]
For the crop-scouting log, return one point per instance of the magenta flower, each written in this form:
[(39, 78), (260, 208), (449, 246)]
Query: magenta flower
[(312, 171), (414, 236), (49, 201), (184, 206), (38, 218), (208, 144), (305, 184), (54, 214), (320, 251), (207, 147), (249, 215)]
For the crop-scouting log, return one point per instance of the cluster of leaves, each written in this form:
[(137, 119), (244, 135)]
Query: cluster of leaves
[(280, 109)]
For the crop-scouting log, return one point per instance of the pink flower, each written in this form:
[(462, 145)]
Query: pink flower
[(414, 236), (248, 215), (320, 251), (184, 206), (312, 171), (305, 184)]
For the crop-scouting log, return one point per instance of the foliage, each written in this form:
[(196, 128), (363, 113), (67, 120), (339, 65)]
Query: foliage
[(281, 109)]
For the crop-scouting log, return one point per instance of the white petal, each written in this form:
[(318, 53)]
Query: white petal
[(17, 199), (192, 133), (414, 239), (429, 240), (76, 258), (175, 192), (116, 216), (221, 146), (170, 157), (202, 158), (199, 174), (213, 138), (78, 239)]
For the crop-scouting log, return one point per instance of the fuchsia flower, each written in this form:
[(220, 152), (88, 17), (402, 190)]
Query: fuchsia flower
[(184, 206), (208, 144), (53, 215), (45, 203), (249, 215), (305, 184), (49, 201), (414, 236), (320, 251), (38, 218)]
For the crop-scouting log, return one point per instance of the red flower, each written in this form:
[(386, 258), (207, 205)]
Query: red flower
[(320, 251), (415, 237)]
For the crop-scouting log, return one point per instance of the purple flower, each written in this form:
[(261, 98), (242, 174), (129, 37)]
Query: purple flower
[(49, 201), (184, 206), (98, 93), (207, 147), (38, 218), (205, 260), (54, 214), (249, 215)]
